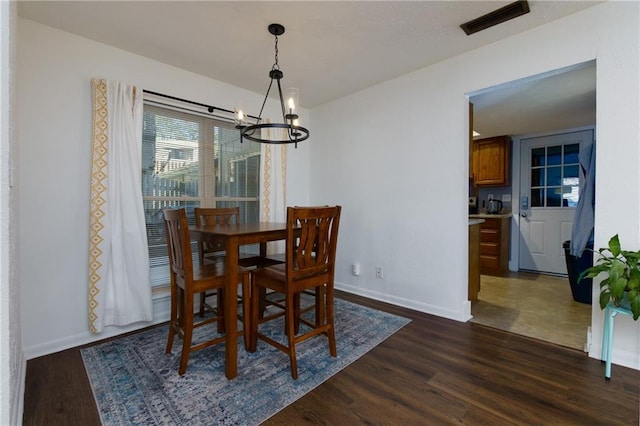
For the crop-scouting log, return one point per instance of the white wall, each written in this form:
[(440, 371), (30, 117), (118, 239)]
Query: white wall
[(12, 360), (396, 157), (55, 71)]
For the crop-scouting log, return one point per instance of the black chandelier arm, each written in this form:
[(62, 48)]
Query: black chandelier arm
[(284, 112), (266, 96)]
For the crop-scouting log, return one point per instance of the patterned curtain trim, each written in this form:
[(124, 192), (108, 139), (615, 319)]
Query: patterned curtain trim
[(266, 178), (283, 173), (266, 184), (98, 188)]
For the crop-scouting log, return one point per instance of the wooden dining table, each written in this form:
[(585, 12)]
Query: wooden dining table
[(236, 235)]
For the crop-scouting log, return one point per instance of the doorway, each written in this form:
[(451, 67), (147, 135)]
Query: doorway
[(537, 105), (549, 193)]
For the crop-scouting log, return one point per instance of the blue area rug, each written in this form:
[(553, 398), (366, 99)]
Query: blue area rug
[(135, 383)]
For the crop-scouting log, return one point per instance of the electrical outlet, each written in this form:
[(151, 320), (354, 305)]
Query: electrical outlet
[(506, 198), (379, 272), (355, 269)]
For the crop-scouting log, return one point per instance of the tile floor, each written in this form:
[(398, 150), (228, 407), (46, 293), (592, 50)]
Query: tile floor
[(533, 305)]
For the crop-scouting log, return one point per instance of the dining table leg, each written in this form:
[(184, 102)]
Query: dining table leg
[(231, 308)]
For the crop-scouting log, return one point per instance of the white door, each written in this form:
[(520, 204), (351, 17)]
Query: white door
[(549, 191)]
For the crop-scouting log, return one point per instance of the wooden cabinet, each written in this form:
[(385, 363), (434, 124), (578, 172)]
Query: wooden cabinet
[(494, 246), (491, 161), (474, 262)]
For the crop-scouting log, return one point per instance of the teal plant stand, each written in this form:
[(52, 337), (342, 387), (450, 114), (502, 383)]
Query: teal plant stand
[(607, 336)]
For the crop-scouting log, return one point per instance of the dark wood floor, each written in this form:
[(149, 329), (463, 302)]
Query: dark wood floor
[(433, 371)]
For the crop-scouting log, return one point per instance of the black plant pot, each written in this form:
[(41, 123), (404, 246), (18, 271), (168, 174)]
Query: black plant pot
[(581, 291)]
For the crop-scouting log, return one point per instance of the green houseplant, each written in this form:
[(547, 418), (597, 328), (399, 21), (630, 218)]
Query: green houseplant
[(622, 284)]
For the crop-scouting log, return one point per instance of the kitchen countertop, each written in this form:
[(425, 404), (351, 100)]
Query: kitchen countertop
[(489, 216)]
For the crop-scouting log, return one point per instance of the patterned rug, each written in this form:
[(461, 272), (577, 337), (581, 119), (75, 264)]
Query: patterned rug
[(135, 383)]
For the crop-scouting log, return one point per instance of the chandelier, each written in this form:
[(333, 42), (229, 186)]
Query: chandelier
[(294, 132)]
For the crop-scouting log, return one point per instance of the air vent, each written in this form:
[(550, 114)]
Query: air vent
[(496, 17)]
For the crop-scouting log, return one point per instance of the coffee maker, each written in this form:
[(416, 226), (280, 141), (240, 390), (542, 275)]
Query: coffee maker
[(473, 205)]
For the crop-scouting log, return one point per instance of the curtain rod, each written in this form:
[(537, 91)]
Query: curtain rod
[(209, 108)]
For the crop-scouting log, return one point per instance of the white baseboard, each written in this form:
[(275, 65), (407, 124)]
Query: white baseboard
[(161, 312), (619, 357), (406, 303)]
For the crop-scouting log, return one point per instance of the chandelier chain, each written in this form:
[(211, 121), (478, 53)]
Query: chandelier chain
[(275, 65)]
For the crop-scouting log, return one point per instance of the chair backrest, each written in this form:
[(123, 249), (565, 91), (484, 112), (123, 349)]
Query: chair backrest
[(214, 216), (178, 244), (312, 238), (217, 216)]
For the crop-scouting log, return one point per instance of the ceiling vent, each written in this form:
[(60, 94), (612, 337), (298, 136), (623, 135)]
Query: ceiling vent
[(496, 17)]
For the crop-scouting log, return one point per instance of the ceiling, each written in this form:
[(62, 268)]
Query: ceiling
[(330, 48), (557, 100)]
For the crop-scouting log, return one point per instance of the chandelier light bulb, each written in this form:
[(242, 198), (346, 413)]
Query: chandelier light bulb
[(240, 119), (291, 94)]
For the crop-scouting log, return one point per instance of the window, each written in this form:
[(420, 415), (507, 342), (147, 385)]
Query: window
[(189, 161), (554, 176)]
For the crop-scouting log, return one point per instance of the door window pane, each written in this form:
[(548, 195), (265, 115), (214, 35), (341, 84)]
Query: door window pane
[(537, 177), (554, 197), (538, 157), (554, 155), (570, 195), (571, 153), (570, 172), (536, 197), (554, 176)]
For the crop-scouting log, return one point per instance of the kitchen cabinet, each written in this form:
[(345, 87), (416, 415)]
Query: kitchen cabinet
[(494, 245), (474, 259), (491, 158)]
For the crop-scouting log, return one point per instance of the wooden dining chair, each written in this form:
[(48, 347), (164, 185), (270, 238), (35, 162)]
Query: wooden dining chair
[(312, 236), (213, 251), (187, 281)]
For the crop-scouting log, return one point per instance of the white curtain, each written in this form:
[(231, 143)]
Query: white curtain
[(273, 191), (119, 284), (584, 219)]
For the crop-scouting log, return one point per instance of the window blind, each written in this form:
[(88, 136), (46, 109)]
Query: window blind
[(189, 160)]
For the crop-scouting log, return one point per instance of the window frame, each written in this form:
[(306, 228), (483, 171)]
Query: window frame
[(206, 197)]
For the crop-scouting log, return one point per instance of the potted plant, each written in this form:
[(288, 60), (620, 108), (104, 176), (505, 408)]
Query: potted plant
[(622, 284)]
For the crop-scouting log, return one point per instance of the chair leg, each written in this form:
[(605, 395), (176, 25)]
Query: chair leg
[(262, 295), (202, 297), (289, 318), (172, 319), (328, 298), (296, 313), (246, 312), (254, 312), (320, 305), (170, 337), (187, 331), (220, 309)]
